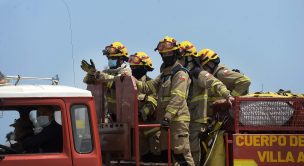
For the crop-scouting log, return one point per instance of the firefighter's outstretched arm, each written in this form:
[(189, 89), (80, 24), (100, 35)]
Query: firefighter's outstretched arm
[(108, 76), (207, 81), (149, 87), (241, 86), (239, 82), (93, 75)]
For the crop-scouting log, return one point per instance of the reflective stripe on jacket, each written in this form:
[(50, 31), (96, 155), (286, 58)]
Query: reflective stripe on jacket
[(172, 92), (198, 103)]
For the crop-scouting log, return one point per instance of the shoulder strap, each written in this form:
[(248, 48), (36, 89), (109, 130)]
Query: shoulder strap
[(177, 69)]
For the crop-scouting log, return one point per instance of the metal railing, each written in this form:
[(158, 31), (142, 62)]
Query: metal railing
[(54, 80)]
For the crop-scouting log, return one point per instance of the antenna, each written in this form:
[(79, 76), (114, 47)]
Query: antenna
[(71, 35), (262, 87)]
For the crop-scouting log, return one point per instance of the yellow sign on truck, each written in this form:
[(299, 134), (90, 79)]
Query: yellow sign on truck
[(265, 149)]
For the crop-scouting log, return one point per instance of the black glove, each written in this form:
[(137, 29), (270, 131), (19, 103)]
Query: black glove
[(165, 123), (89, 68)]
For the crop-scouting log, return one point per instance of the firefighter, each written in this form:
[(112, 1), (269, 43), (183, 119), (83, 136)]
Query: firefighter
[(236, 82), (117, 56), (172, 87), (140, 64), (197, 100), (23, 129)]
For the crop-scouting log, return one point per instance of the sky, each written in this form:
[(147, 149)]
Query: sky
[(263, 39)]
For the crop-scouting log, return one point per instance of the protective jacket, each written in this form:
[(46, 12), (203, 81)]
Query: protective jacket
[(171, 88), (199, 94), (108, 76), (236, 82)]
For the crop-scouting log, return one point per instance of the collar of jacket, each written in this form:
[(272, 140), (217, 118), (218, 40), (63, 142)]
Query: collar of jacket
[(143, 78), (218, 67), (168, 69)]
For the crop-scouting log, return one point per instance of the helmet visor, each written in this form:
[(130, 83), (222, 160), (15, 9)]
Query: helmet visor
[(165, 46), (111, 50), (133, 59)]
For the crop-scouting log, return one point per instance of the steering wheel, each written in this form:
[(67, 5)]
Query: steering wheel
[(8, 150)]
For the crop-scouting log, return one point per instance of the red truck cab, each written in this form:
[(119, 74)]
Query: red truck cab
[(74, 113)]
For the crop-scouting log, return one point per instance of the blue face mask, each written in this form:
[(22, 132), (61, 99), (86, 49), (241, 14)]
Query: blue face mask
[(112, 62)]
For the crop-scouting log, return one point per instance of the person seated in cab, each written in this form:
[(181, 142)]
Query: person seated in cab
[(23, 129), (49, 140)]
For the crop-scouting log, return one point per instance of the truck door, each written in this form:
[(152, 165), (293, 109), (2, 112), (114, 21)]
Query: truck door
[(84, 132), (27, 140)]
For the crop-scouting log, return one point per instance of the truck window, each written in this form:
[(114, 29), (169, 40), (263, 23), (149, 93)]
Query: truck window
[(30, 129), (81, 129)]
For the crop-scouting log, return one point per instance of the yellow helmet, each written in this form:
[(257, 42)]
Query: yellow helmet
[(207, 55), (141, 59), (188, 48), (166, 45), (116, 49)]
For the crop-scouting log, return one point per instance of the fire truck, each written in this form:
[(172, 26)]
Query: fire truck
[(259, 130)]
